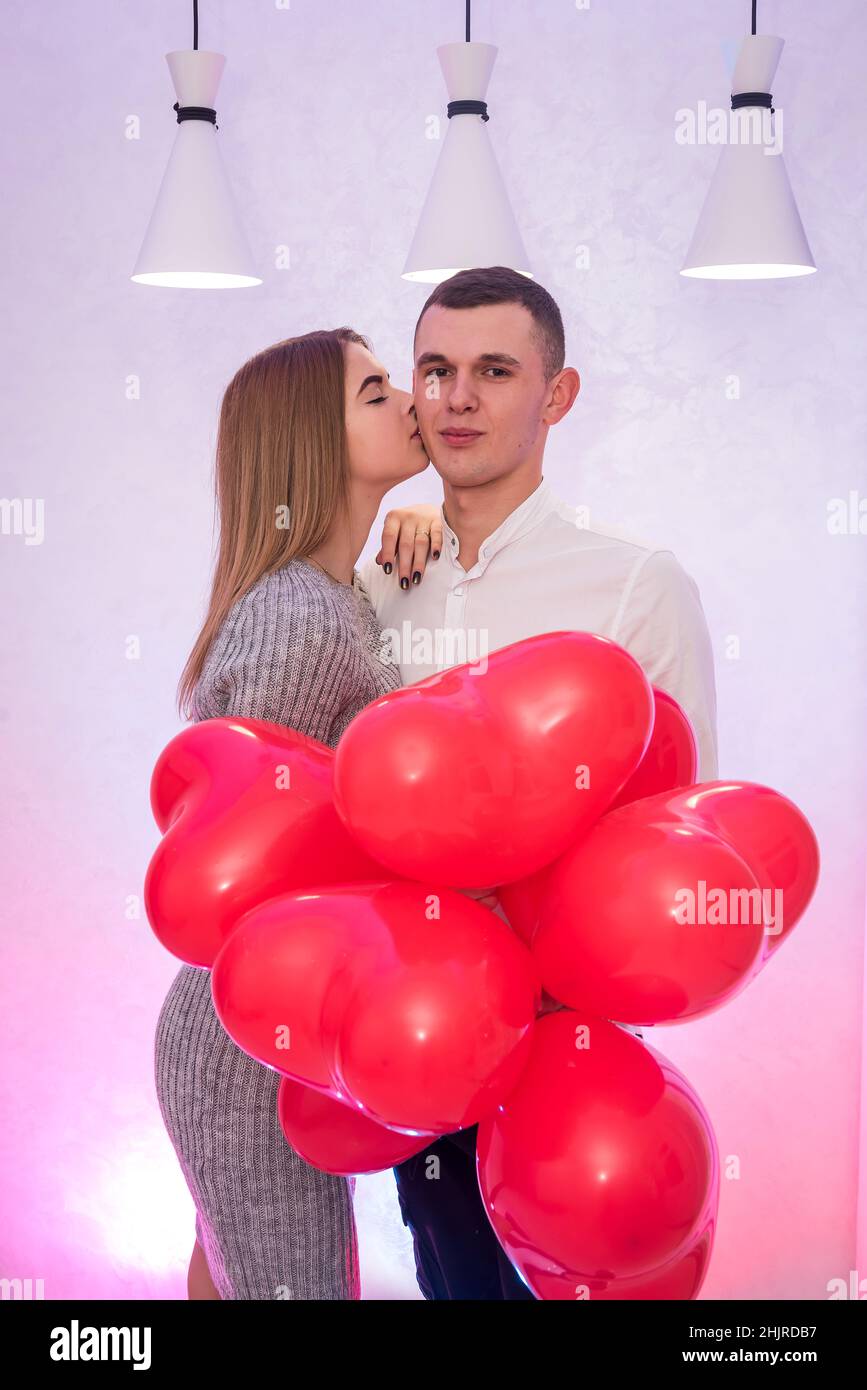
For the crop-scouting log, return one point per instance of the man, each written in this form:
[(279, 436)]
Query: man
[(489, 381)]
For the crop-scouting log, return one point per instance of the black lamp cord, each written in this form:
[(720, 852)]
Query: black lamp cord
[(468, 108), (455, 108), (752, 98), (196, 113)]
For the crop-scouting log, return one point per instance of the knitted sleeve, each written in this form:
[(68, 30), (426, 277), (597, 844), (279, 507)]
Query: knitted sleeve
[(278, 656)]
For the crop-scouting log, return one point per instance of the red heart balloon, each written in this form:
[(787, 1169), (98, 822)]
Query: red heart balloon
[(671, 757), (770, 834), (767, 831), (670, 761), (416, 1003), (335, 1136), (479, 776), (285, 969), (677, 1279), (600, 1172), (644, 920), (247, 811)]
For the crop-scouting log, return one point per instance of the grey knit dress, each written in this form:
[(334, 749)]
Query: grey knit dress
[(304, 650)]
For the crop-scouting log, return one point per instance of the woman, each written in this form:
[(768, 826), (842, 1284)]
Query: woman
[(311, 437)]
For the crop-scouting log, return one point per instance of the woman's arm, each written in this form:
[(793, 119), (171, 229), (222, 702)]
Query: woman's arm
[(409, 535), (277, 657)]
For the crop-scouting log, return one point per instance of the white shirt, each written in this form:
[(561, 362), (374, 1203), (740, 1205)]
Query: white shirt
[(541, 570)]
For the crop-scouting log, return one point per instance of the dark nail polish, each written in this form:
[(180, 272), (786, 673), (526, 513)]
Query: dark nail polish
[(436, 555), (404, 583), (387, 567), (416, 577)]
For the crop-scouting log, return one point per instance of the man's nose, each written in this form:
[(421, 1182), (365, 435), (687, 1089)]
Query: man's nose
[(462, 396)]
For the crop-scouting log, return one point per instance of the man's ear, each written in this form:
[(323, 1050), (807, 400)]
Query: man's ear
[(561, 396)]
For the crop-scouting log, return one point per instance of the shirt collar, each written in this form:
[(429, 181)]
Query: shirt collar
[(517, 523)]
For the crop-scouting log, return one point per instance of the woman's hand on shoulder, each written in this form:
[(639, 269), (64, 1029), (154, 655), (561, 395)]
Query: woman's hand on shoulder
[(410, 535)]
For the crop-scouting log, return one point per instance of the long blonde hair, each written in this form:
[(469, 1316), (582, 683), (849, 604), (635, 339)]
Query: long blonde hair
[(281, 475)]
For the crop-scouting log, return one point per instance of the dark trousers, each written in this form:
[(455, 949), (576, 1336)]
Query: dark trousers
[(457, 1254)]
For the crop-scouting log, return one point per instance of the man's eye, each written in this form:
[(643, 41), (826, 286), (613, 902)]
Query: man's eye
[(502, 370), (434, 370)]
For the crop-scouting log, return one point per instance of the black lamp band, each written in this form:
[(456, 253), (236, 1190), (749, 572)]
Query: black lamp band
[(752, 99), (196, 113), (469, 108)]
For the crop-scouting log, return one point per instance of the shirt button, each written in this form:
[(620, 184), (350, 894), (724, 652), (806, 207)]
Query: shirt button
[(454, 542), (459, 590)]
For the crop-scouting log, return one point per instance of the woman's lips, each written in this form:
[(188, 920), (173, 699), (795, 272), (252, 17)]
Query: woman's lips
[(460, 440)]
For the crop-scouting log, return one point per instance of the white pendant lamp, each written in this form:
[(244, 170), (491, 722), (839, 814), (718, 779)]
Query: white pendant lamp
[(749, 227), (195, 239), (467, 219)]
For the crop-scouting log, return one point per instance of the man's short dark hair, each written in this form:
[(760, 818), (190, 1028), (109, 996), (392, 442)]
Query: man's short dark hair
[(497, 284)]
